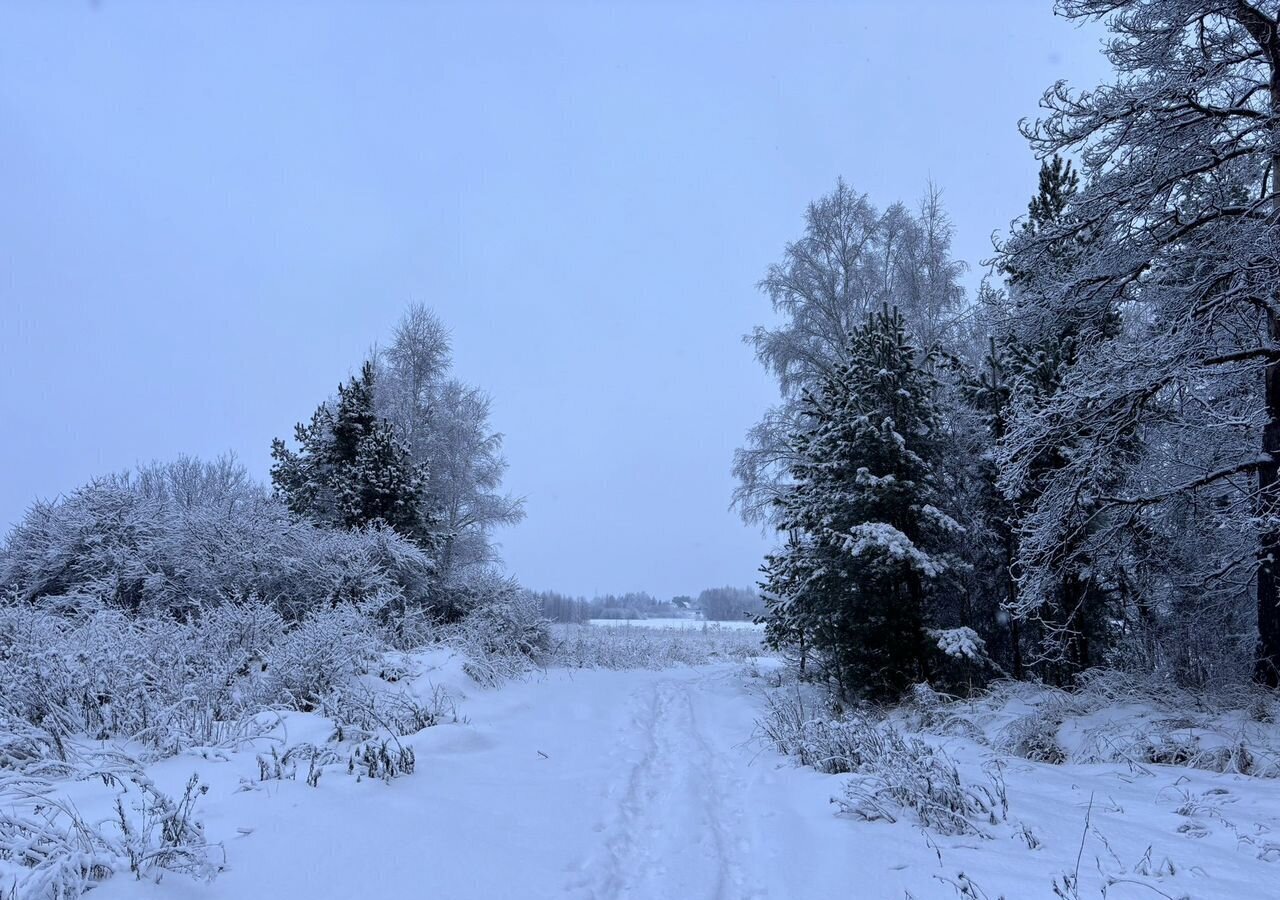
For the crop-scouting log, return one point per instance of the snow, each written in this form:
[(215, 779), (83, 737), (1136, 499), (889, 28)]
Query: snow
[(651, 785), (959, 643), (677, 623), (881, 538)]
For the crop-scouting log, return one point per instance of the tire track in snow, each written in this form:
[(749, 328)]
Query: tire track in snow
[(674, 832)]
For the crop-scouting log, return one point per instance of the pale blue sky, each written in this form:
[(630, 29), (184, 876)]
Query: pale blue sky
[(208, 212)]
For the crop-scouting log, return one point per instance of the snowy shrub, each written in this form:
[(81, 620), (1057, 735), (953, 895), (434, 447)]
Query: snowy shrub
[(360, 712), (510, 624), (277, 766), (505, 637), (828, 743), (1212, 743), (470, 588), (168, 685), (1113, 717), (180, 538), (902, 773), (1034, 735), (320, 654), (369, 565), (894, 772), (385, 760), (925, 709), (30, 750), (958, 660), (410, 629), (105, 675)]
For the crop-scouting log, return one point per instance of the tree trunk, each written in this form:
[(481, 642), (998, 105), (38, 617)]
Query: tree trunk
[(1264, 31), (1011, 600), (1267, 657)]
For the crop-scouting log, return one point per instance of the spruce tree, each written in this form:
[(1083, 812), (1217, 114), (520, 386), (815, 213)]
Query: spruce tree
[(1067, 616), (351, 470), (866, 538), (986, 389)]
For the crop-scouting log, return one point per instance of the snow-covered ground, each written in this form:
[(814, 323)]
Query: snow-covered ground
[(676, 623), (656, 785)]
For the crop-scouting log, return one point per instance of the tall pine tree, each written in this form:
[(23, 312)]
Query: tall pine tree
[(1067, 616)]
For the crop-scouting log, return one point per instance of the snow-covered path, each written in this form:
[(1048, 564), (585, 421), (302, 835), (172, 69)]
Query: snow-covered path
[(678, 828), (639, 785), (586, 784)]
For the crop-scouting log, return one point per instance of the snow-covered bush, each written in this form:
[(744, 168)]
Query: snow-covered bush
[(179, 538), (361, 712), (802, 720), (105, 675), (894, 772), (169, 685), (958, 660), (931, 711), (1034, 735), (369, 565), (1114, 717), (473, 588), (382, 759), (277, 766), (902, 773), (510, 623), (320, 654), (504, 634)]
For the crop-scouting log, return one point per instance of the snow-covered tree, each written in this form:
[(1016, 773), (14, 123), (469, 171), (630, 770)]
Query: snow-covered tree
[(852, 259), (977, 418), (725, 604), (1172, 399), (445, 426), (1068, 624), (867, 541), (351, 468)]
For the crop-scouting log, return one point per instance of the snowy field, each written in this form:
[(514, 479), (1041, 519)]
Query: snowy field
[(675, 623), (656, 783)]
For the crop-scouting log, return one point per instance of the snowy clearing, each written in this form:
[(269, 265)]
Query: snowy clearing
[(594, 784), (683, 624)]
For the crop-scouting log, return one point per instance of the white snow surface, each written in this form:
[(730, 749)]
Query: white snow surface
[(656, 785)]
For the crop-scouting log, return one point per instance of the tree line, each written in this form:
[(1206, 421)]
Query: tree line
[(1079, 466), (723, 604)]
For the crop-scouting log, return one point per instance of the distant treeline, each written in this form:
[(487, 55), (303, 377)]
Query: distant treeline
[(723, 604)]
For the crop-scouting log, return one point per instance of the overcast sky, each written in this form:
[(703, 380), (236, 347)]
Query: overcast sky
[(208, 212)]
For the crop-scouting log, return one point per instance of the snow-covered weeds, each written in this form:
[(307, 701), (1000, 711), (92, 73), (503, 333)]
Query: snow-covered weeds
[(629, 647), (503, 638), (165, 684), (49, 850), (1115, 717), (893, 772)]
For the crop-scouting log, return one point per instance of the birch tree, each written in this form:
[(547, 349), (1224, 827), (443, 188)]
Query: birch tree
[(852, 259)]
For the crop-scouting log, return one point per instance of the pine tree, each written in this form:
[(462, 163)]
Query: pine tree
[(866, 541), (350, 469), (986, 388), (1066, 617)]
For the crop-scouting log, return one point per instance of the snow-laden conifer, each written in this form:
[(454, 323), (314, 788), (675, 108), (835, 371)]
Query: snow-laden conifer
[(867, 537)]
